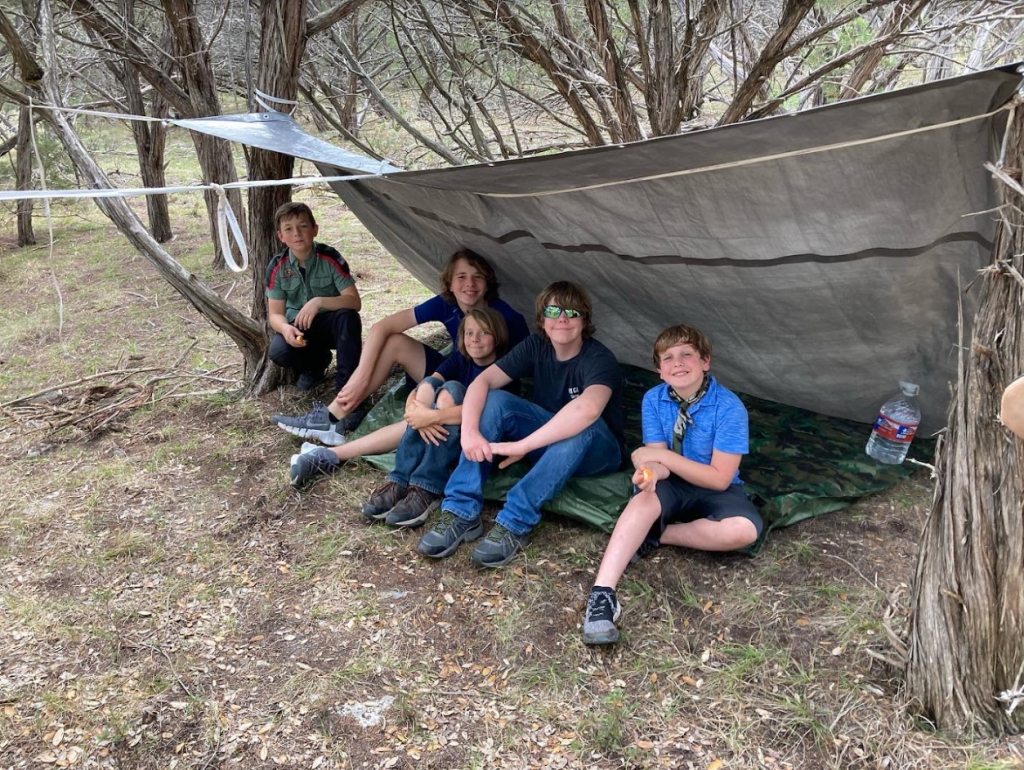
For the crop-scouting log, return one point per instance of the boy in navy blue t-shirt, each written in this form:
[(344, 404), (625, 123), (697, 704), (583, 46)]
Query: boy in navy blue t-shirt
[(687, 472), (571, 427), (468, 281)]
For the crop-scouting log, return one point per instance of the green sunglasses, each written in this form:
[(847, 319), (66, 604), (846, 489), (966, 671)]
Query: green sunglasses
[(553, 311)]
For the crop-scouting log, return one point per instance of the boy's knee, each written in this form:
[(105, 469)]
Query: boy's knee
[(643, 505), (735, 533), (498, 403), (280, 352), (444, 399), (451, 393)]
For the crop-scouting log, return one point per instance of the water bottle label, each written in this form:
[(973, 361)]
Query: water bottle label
[(889, 429)]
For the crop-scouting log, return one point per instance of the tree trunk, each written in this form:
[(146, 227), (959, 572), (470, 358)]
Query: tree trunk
[(215, 158), (967, 622), (282, 45), (23, 176), (149, 139), (23, 146)]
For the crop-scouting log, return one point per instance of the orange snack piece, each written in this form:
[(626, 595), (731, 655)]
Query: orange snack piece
[(648, 475)]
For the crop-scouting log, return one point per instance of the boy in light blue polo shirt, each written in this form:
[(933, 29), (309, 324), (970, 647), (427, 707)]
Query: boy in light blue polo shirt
[(687, 473)]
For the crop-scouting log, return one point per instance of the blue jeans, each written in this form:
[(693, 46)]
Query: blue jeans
[(421, 464), (592, 451)]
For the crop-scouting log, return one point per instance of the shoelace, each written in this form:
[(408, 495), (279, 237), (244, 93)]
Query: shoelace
[(498, 533), (599, 606), (446, 519)]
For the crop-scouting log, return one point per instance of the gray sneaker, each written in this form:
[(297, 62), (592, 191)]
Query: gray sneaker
[(498, 548), (447, 534), (311, 463), (383, 499), (602, 613), (413, 509), (316, 425)]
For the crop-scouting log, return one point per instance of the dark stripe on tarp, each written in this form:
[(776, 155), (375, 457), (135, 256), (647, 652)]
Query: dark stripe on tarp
[(679, 259)]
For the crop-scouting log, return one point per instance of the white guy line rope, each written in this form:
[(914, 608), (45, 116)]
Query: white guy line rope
[(49, 220)]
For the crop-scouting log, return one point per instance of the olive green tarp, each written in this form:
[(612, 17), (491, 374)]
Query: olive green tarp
[(801, 464)]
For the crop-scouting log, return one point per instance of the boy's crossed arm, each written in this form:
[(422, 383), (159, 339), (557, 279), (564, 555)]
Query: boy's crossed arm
[(662, 461), (572, 419)]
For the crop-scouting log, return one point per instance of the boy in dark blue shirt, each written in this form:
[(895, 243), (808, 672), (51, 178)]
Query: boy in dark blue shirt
[(687, 473), (468, 281), (572, 427)]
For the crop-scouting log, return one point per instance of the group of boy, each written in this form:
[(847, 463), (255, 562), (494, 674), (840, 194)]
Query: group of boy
[(695, 431)]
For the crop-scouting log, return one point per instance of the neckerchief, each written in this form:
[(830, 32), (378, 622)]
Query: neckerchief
[(683, 419)]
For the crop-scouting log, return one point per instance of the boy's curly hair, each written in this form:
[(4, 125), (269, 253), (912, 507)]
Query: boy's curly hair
[(476, 261), (681, 334)]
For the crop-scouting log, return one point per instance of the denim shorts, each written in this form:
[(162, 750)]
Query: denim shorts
[(683, 502)]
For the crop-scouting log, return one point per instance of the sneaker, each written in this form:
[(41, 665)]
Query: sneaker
[(316, 425), (383, 499), (498, 548), (309, 380), (603, 611), (413, 509), (447, 534), (353, 419), (307, 465), (305, 450)]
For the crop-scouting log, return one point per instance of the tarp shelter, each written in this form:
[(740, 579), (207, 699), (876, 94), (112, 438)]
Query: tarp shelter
[(824, 253)]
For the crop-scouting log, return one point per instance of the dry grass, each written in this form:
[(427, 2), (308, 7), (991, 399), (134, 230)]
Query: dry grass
[(169, 601)]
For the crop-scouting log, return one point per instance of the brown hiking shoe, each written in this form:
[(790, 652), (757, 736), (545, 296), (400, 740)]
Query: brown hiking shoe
[(383, 499), (414, 509)]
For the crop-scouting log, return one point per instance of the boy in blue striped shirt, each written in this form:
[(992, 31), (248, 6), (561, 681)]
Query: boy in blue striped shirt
[(687, 473)]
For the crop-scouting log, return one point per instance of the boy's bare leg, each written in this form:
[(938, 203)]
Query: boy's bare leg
[(705, 535), (399, 349), (379, 442), (632, 527)]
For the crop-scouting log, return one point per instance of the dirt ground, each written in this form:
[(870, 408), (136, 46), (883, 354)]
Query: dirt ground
[(169, 601)]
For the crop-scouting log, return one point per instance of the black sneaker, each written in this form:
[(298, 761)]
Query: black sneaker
[(413, 509), (498, 548), (383, 499), (602, 612), (353, 419), (311, 463), (447, 534), (309, 380), (647, 547)]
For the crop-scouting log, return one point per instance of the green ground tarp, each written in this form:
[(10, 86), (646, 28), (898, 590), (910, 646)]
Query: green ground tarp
[(800, 465)]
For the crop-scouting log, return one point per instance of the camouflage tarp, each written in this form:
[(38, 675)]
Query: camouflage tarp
[(800, 465)]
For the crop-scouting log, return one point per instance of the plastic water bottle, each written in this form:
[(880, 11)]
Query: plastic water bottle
[(895, 427)]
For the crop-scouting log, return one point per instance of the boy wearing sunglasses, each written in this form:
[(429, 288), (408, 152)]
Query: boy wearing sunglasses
[(572, 426)]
